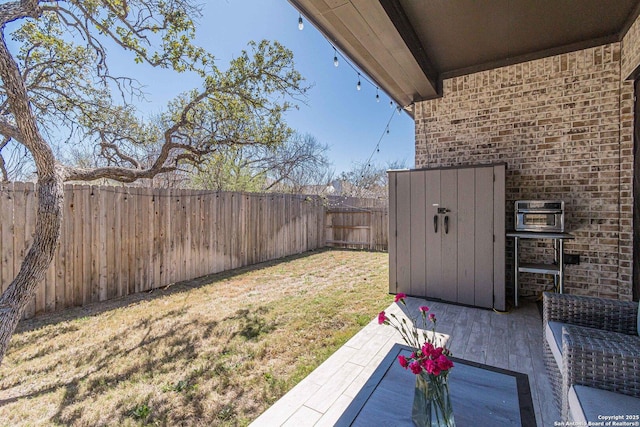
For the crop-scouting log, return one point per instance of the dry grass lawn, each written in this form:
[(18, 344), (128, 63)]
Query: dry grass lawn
[(216, 351)]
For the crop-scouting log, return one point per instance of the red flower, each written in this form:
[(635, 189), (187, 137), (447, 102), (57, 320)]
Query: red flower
[(425, 356), (427, 349), (432, 367), (444, 363), (403, 361), (382, 317), (399, 297)]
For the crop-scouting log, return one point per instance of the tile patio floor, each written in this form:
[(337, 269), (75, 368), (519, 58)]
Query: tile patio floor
[(510, 341)]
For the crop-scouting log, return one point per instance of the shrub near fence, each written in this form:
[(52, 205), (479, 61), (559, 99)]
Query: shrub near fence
[(121, 240)]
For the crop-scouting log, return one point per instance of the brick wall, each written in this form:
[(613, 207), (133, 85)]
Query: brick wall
[(630, 61), (563, 126), (631, 49)]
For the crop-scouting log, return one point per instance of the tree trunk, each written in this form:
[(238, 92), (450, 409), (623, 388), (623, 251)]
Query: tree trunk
[(34, 267), (50, 197)]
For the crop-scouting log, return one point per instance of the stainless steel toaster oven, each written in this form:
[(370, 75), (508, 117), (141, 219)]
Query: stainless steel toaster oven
[(539, 215)]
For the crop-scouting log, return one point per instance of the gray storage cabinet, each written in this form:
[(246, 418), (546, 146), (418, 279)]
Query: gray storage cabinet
[(447, 234)]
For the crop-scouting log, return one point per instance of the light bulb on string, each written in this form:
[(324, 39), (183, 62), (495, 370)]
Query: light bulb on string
[(377, 95), (358, 86), (335, 58), (385, 131), (300, 23), (390, 104)]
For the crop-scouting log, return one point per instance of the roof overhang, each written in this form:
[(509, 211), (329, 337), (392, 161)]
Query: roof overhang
[(408, 47)]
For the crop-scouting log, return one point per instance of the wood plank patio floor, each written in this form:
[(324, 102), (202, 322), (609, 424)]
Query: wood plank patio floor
[(510, 341)]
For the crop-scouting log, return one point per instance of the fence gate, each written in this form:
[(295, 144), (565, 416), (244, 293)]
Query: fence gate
[(357, 228)]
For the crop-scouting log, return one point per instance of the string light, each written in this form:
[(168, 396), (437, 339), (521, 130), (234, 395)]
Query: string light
[(385, 132), (336, 53), (336, 62)]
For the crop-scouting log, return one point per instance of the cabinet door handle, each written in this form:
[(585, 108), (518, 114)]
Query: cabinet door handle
[(435, 223), (446, 224)]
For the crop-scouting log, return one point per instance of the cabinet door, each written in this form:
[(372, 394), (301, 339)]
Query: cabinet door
[(499, 236), (483, 238), (433, 245), (403, 228), (448, 289), (466, 235), (392, 233), (418, 242)]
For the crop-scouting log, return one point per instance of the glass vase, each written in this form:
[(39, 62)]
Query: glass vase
[(431, 402)]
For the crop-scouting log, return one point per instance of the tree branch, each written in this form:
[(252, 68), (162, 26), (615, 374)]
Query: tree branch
[(25, 120), (10, 131), (20, 9), (3, 168), (106, 147)]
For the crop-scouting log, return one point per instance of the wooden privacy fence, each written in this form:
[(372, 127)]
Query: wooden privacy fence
[(121, 240), (365, 228)]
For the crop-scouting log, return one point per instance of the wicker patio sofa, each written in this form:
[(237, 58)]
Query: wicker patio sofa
[(592, 356)]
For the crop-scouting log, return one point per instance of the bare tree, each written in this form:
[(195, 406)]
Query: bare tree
[(290, 167), (51, 81), (298, 164), (228, 170), (368, 180)]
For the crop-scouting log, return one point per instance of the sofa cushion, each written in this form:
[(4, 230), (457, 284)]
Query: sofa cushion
[(587, 403), (553, 335)]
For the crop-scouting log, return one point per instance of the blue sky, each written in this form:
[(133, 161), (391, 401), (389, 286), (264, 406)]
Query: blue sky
[(351, 122)]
